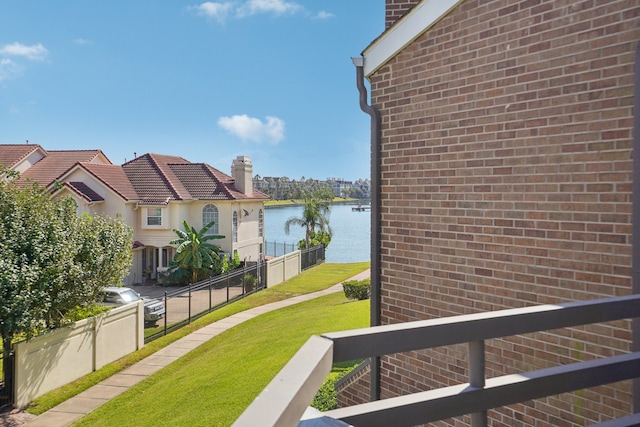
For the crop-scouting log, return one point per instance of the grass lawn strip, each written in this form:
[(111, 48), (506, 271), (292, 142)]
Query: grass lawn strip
[(309, 281), (214, 383)]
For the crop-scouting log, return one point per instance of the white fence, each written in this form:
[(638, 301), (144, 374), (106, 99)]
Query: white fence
[(66, 354), (283, 268)]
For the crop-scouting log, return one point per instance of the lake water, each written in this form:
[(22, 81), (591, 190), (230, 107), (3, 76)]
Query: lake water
[(351, 231)]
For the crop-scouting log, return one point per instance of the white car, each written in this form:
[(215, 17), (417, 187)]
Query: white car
[(153, 309)]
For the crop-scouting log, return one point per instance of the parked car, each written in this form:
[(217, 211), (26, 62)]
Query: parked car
[(153, 309)]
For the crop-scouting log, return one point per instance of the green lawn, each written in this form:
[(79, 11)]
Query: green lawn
[(314, 279), (213, 384)]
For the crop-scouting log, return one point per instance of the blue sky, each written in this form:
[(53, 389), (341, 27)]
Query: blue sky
[(208, 81)]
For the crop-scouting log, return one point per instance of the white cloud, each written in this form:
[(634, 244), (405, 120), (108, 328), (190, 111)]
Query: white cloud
[(221, 10), (82, 41), (213, 10), (253, 129), (324, 15), (35, 52), (8, 69), (279, 7)]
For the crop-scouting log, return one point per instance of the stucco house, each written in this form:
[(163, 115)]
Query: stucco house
[(153, 193), (502, 140)]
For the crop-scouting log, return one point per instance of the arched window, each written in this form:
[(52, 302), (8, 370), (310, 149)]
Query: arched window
[(234, 227), (260, 224), (210, 213)]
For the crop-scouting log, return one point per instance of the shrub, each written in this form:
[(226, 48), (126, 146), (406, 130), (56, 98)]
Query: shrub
[(249, 282), (326, 399), (357, 289), (84, 312)]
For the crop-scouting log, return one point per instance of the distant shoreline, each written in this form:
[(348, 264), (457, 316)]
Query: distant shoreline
[(336, 201)]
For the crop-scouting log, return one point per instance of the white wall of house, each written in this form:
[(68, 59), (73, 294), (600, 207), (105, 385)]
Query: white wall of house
[(156, 237), (29, 161)]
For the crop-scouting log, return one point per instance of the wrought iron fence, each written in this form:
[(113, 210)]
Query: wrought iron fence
[(311, 256), (193, 301), (276, 249)]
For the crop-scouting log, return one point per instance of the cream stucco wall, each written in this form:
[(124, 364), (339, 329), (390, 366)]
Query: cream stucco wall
[(66, 354), (248, 246)]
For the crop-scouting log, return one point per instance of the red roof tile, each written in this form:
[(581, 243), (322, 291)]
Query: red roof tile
[(113, 176), (159, 178), (50, 168), (11, 154), (151, 179)]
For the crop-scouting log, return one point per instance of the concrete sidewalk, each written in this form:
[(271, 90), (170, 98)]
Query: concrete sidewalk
[(85, 402)]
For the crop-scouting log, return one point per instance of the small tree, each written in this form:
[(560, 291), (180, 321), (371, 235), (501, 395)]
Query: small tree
[(315, 215), (195, 253), (316, 238), (52, 260)]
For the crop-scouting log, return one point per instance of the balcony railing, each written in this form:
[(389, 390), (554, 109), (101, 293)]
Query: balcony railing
[(284, 401)]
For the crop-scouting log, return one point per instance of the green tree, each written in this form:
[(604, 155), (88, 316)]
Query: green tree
[(315, 238), (315, 215), (195, 252), (52, 260)]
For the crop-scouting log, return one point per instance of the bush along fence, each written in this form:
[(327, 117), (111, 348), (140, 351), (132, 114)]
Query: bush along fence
[(195, 300)]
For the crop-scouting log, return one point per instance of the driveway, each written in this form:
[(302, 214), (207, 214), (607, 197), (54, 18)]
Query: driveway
[(177, 307)]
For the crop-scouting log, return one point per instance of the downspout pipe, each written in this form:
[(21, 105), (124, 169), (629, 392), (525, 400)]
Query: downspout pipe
[(635, 240), (375, 216)]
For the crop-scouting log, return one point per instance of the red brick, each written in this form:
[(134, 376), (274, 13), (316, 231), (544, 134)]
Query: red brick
[(511, 123)]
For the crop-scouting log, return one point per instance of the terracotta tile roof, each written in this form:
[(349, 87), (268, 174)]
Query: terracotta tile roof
[(84, 190), (114, 177), (229, 183), (150, 181), (159, 178), (11, 154), (47, 170), (199, 181)]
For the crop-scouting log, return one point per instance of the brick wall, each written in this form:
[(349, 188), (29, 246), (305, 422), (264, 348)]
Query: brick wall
[(395, 9), (355, 387), (506, 181)]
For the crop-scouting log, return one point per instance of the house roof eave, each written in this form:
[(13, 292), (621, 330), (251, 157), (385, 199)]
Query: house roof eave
[(419, 19)]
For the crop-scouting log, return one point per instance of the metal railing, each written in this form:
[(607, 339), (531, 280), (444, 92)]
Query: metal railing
[(276, 249), (311, 257), (190, 302), (285, 399)]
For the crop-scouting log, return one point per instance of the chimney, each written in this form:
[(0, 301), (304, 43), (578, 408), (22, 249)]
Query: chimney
[(242, 172)]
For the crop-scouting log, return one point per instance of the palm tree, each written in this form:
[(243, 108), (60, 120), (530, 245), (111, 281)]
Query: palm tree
[(195, 252), (315, 215)]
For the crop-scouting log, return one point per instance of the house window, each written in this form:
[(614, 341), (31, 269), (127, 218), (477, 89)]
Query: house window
[(154, 216), (260, 224), (210, 213), (234, 227)]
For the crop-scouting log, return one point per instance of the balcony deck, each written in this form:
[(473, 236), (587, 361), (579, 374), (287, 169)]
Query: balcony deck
[(284, 401)]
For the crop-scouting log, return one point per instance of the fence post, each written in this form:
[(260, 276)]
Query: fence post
[(476, 378), (227, 286), (189, 302), (166, 312)]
